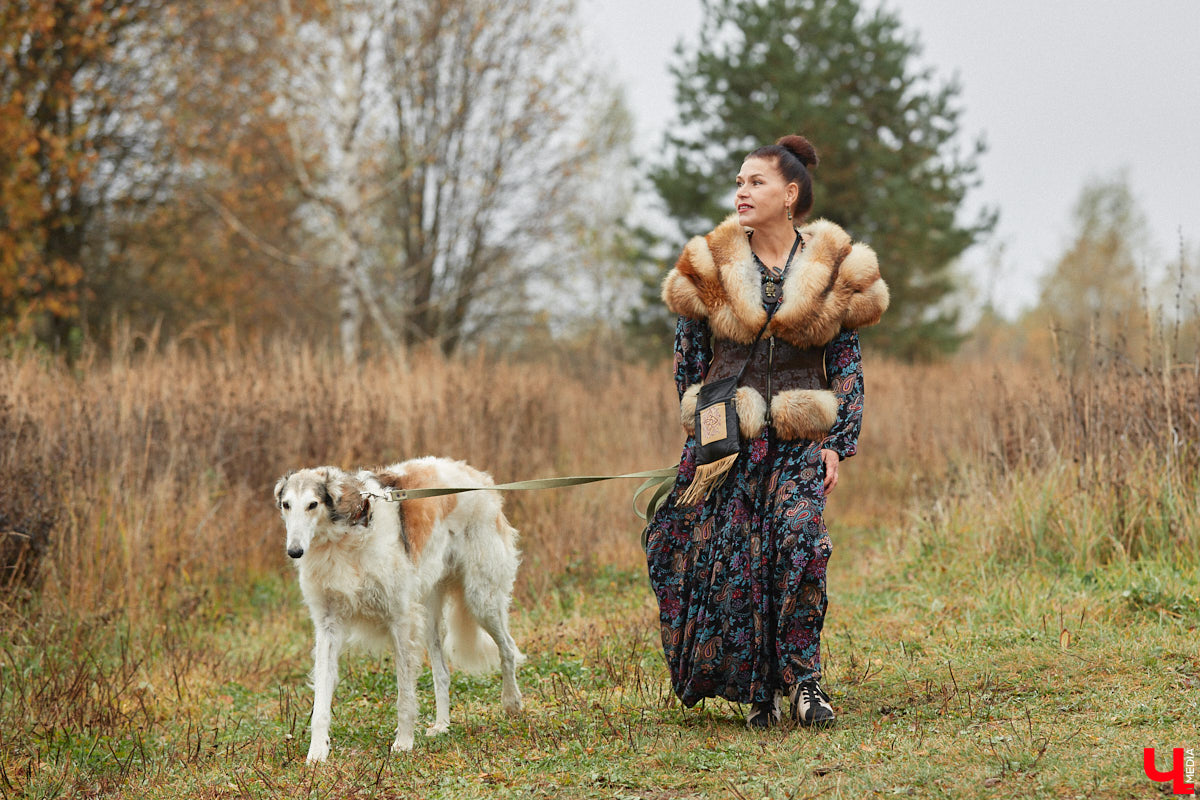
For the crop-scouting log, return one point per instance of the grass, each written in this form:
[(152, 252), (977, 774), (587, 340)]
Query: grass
[(967, 681), (119, 467), (1013, 594)]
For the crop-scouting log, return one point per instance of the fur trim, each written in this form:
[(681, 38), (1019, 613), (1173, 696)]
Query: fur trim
[(804, 413), (833, 284), (729, 298), (687, 408), (868, 306), (751, 410)]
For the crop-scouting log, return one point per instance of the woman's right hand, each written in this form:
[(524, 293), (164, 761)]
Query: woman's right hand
[(832, 460)]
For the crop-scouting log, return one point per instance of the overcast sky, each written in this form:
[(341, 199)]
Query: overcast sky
[(1062, 90)]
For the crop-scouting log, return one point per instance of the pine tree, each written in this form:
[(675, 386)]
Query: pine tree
[(892, 172)]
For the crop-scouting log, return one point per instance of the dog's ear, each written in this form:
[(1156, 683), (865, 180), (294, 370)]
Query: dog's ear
[(279, 486), (347, 504)]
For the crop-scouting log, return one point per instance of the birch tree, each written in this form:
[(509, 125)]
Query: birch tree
[(486, 163), (437, 144), (336, 134)]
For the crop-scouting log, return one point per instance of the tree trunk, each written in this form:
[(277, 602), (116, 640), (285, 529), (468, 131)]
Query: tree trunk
[(349, 307)]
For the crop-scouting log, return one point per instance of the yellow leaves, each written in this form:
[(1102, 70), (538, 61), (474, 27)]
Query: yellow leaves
[(43, 22), (50, 52), (62, 306)]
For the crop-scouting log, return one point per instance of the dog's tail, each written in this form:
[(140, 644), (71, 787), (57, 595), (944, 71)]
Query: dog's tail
[(508, 534), (468, 645)]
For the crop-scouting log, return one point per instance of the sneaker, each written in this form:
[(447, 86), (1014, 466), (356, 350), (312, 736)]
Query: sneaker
[(764, 714), (810, 705)]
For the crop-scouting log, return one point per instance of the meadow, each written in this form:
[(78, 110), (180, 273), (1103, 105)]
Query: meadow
[(1014, 591)]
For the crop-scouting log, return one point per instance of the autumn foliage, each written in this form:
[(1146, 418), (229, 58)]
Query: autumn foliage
[(53, 106), (361, 172)]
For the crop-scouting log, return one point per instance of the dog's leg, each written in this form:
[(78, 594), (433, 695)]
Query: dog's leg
[(434, 629), (488, 582), (408, 662), (493, 616), (329, 637)]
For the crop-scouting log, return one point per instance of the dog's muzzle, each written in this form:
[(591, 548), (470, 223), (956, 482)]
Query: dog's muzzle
[(295, 552)]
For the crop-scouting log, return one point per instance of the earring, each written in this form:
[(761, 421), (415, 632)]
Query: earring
[(789, 213)]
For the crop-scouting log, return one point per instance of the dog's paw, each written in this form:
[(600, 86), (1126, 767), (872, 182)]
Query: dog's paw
[(511, 702), (437, 729), (403, 744), (318, 751)]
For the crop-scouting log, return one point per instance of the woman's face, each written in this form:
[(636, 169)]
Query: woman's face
[(762, 194)]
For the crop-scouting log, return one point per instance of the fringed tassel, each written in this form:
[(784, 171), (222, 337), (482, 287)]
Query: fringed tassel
[(708, 477)]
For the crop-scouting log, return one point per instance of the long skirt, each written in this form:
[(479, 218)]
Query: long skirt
[(740, 578)]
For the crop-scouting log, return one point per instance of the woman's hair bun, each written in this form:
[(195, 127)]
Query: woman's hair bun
[(801, 148)]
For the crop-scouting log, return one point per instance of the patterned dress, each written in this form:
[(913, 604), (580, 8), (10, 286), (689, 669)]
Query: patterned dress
[(740, 578)]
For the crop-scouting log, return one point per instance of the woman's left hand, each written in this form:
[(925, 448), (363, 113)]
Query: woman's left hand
[(831, 459)]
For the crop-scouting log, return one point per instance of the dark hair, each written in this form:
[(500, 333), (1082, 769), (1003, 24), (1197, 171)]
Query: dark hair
[(794, 156)]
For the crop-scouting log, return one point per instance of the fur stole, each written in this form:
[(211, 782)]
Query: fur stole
[(833, 284)]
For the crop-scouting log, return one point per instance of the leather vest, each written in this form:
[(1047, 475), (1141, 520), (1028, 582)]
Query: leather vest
[(776, 364)]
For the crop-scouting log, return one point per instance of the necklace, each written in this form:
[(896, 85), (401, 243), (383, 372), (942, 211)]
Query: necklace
[(772, 285)]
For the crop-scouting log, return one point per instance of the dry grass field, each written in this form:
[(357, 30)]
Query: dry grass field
[(1014, 593)]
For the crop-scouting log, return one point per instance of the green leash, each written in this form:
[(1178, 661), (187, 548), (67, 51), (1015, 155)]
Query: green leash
[(662, 485), (661, 480)]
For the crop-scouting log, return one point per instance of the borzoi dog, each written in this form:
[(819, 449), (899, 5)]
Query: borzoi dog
[(382, 573)]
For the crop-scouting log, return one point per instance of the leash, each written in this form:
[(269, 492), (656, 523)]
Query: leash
[(661, 480)]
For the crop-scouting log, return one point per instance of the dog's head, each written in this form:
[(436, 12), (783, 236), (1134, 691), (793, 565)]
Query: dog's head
[(316, 503)]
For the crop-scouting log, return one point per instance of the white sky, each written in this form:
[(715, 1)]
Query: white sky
[(1062, 90)]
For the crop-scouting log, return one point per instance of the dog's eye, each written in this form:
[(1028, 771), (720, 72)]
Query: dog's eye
[(286, 505), (312, 505)]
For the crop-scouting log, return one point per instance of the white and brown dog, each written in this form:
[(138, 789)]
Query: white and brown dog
[(387, 574)]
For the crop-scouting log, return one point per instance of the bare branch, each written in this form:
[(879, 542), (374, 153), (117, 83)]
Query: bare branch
[(250, 236)]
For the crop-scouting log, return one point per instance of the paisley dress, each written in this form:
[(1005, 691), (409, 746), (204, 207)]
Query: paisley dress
[(740, 578)]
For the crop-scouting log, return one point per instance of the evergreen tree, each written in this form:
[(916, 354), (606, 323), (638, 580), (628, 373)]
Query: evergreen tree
[(891, 172)]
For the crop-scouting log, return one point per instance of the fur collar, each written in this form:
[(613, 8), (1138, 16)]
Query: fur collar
[(833, 283)]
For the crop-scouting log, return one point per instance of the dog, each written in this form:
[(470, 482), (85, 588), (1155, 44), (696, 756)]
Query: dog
[(393, 574)]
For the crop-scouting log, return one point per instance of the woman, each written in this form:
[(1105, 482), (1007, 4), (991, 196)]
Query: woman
[(737, 561)]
